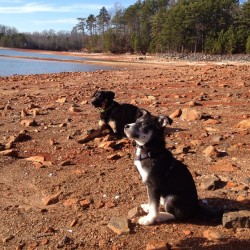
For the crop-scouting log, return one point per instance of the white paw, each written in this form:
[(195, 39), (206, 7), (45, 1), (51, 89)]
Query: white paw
[(145, 207), (163, 216), (146, 220)]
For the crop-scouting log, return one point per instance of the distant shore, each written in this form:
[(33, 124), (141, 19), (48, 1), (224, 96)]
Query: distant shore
[(134, 60)]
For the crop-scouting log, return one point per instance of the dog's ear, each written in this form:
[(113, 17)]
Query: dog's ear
[(110, 95), (142, 113), (164, 120)]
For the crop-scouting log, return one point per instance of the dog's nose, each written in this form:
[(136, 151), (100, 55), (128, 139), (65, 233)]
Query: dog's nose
[(126, 126)]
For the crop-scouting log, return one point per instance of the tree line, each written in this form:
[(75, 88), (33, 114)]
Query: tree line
[(150, 26)]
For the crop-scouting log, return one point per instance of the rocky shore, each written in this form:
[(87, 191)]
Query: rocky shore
[(58, 194)]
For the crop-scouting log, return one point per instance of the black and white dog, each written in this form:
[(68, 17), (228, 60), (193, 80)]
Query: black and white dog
[(166, 178)]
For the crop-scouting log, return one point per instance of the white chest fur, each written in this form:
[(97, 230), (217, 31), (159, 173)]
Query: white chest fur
[(143, 173)]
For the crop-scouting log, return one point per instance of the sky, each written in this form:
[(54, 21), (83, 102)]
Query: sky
[(58, 15)]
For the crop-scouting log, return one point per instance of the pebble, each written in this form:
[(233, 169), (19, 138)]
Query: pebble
[(244, 124), (210, 182), (210, 151), (176, 113), (238, 219), (119, 225), (190, 114), (212, 235), (157, 245), (28, 122), (51, 199)]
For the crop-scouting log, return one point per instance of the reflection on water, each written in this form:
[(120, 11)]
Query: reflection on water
[(11, 66)]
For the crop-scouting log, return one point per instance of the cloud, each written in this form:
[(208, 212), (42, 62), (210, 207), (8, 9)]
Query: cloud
[(65, 20), (43, 7)]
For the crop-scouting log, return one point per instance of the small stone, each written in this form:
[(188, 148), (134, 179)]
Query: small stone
[(190, 114), (28, 122), (114, 157), (22, 136), (51, 199), (36, 158), (85, 203), (74, 109), (8, 238), (212, 235), (134, 212), (66, 163), (239, 219), (211, 122), (210, 151), (180, 149), (245, 124), (210, 182), (70, 202), (119, 225), (61, 100), (176, 113), (107, 145), (157, 245), (73, 222), (9, 152), (109, 204)]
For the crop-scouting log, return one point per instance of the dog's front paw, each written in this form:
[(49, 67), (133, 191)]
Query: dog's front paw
[(145, 207), (146, 220)]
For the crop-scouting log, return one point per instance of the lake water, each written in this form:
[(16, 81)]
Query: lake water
[(22, 66)]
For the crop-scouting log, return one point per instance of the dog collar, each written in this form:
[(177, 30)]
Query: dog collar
[(108, 108), (145, 153)]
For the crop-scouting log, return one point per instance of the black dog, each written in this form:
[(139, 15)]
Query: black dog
[(164, 176), (113, 115)]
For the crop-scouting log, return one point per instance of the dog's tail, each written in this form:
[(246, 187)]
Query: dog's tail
[(213, 215)]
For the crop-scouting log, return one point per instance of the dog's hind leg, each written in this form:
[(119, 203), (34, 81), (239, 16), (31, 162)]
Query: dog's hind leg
[(164, 216)]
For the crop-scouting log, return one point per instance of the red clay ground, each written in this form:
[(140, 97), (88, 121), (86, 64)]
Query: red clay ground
[(65, 198)]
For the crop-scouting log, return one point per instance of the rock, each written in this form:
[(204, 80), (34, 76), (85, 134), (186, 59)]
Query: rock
[(36, 158), (107, 145), (109, 204), (74, 109), (224, 165), (9, 152), (239, 219), (176, 113), (190, 114), (210, 151), (113, 157), (119, 225), (66, 163), (157, 245), (212, 234), (8, 238), (85, 203), (182, 149), (134, 212), (70, 202), (28, 122), (24, 113), (245, 124), (192, 104), (61, 100), (210, 182), (211, 122), (22, 136), (51, 199)]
